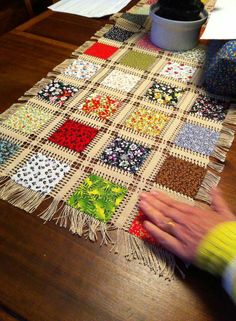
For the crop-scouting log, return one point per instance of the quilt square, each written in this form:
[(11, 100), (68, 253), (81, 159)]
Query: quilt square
[(41, 173), (100, 105), (147, 121), (145, 43), (101, 50), (210, 108), (181, 176), (164, 94), (73, 135), (118, 34), (197, 55), (28, 119), (97, 197), (178, 71), (7, 150), (57, 93), (138, 60), (138, 19), (197, 138), (138, 229), (125, 155), (82, 69), (120, 80)]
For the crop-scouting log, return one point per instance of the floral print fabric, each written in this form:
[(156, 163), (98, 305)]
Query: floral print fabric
[(101, 50), (164, 94), (41, 173), (210, 108), (7, 150), (197, 55), (125, 155), (82, 69), (73, 135), (120, 80), (197, 138), (138, 229), (57, 93), (118, 34), (100, 105), (147, 121), (28, 119), (97, 197), (178, 71)]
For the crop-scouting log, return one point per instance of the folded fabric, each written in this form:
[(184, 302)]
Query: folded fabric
[(220, 68)]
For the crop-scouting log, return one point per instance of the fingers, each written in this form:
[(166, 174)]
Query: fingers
[(166, 240), (218, 204)]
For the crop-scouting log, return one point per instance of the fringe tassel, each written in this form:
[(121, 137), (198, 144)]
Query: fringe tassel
[(37, 87), (20, 196), (60, 68), (83, 48), (10, 111), (100, 33), (226, 138), (218, 167), (52, 209), (211, 180), (116, 16), (219, 154), (231, 117)]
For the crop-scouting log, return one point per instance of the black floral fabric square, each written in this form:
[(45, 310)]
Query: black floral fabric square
[(118, 34)]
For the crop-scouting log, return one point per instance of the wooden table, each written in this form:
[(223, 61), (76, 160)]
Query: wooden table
[(46, 273)]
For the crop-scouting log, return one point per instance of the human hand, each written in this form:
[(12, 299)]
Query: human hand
[(179, 227)]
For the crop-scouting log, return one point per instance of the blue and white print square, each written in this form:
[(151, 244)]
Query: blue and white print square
[(7, 150), (81, 69)]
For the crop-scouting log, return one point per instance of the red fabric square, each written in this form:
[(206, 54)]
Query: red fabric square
[(73, 135), (138, 230), (101, 51)]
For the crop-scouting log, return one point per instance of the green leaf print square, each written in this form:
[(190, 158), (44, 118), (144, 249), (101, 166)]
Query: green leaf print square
[(97, 197)]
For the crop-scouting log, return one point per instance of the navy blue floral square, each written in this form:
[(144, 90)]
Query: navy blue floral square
[(125, 155), (118, 34), (7, 150)]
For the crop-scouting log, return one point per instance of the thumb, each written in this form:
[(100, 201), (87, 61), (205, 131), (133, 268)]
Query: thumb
[(218, 204)]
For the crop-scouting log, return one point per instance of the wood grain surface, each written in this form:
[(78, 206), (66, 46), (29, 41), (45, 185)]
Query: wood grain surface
[(46, 273)]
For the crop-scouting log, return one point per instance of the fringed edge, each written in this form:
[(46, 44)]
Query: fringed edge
[(60, 68), (210, 180), (37, 87), (218, 167), (100, 33), (83, 48), (219, 154), (226, 138), (10, 111), (116, 16), (231, 117), (20, 196)]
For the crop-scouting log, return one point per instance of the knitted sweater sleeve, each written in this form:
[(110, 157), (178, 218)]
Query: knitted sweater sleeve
[(217, 254)]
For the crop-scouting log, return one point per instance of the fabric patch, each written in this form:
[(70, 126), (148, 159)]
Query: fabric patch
[(181, 176), (97, 197), (138, 60), (138, 19), (41, 173), (138, 229), (147, 121), (73, 135), (197, 55), (178, 71), (101, 106), (101, 50), (118, 34), (28, 119), (121, 81), (7, 150), (125, 155), (209, 107), (57, 93), (145, 43), (197, 138), (164, 94), (82, 69), (144, 10)]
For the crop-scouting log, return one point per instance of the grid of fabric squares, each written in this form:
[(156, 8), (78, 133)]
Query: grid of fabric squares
[(97, 197), (102, 106), (120, 80), (181, 176), (164, 94), (125, 155), (146, 43), (178, 71), (28, 119), (147, 121), (7, 150), (210, 108), (101, 50), (82, 69), (138, 229), (73, 135), (197, 138), (118, 34), (57, 93), (41, 173), (135, 59)]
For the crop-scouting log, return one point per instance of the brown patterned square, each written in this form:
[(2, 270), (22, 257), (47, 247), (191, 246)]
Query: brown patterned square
[(181, 176)]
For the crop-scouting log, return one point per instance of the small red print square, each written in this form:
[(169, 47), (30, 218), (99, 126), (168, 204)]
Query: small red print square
[(138, 229), (101, 50), (73, 135)]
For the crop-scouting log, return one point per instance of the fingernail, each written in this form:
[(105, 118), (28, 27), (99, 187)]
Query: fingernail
[(143, 195)]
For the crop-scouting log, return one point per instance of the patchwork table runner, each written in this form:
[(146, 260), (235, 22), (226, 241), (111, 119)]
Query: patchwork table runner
[(120, 117)]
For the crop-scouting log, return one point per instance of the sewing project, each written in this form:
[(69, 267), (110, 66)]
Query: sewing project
[(119, 117)]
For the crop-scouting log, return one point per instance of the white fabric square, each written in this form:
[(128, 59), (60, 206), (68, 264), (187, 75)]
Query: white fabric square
[(121, 81)]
